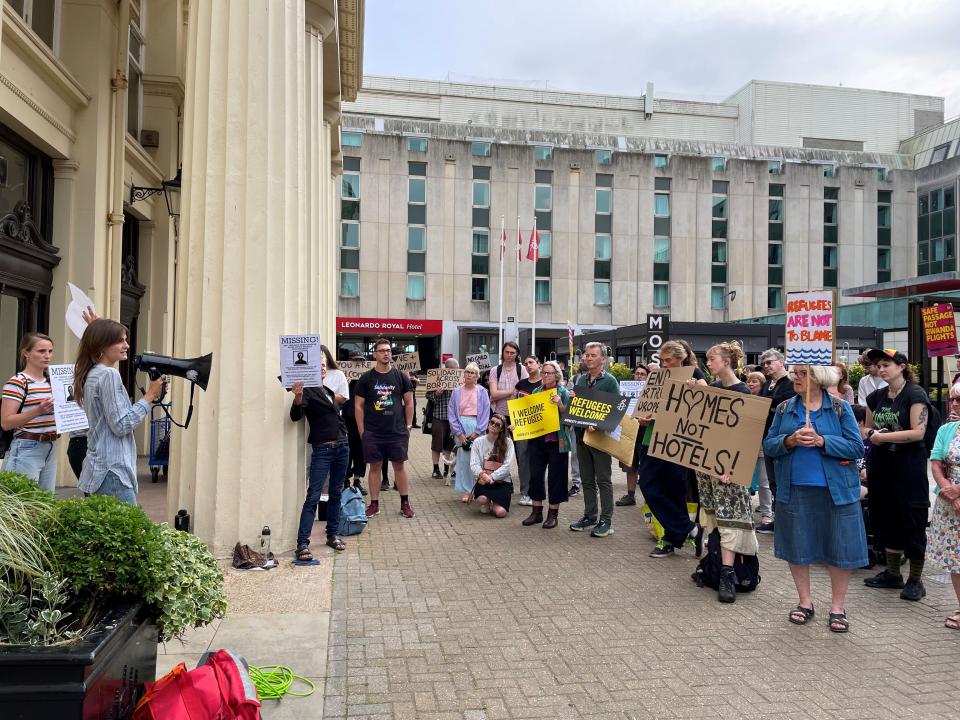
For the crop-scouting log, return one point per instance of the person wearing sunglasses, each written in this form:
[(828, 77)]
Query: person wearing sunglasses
[(491, 456)]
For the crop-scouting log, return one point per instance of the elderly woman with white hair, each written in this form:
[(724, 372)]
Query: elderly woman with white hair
[(468, 412), (818, 489)]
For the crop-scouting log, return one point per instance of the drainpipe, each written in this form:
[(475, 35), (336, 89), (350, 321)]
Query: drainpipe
[(118, 132)]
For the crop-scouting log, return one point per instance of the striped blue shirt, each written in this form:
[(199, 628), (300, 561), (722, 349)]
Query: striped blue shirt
[(110, 442)]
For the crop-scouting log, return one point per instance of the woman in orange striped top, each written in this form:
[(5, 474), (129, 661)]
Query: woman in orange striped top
[(27, 409)]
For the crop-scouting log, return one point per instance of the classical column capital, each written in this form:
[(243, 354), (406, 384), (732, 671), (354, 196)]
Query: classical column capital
[(65, 169), (321, 16)]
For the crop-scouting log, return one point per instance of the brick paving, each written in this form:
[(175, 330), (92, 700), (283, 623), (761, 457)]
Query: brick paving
[(457, 615)]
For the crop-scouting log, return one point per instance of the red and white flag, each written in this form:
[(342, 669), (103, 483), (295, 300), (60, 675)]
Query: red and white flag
[(503, 242), (519, 244), (533, 247)]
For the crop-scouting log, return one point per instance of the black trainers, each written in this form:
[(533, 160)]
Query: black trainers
[(358, 486), (574, 491), (384, 485), (627, 499), (662, 550), (436, 474), (913, 590), (885, 579), (765, 528), (727, 593)]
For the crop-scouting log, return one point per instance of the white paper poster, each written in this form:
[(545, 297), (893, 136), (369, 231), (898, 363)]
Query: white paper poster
[(79, 301), (301, 360), (69, 416), (630, 389)]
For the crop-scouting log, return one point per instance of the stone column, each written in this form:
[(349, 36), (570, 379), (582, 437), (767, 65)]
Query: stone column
[(242, 279)]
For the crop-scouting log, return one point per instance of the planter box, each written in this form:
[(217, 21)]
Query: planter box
[(99, 677)]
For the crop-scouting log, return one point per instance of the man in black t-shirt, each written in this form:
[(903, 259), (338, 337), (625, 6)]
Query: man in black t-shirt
[(778, 388), (383, 405)]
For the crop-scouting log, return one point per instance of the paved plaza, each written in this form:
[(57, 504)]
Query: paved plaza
[(457, 615)]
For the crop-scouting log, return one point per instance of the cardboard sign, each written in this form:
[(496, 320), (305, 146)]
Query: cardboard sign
[(481, 359), (407, 362), (811, 331), (619, 447), (441, 379), (533, 415), (710, 430), (596, 409), (353, 369), (649, 401), (939, 330), (69, 416), (301, 360)]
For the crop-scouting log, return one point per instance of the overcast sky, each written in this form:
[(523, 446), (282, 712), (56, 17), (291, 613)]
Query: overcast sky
[(696, 49)]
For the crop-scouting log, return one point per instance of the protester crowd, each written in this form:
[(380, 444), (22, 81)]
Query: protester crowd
[(840, 480)]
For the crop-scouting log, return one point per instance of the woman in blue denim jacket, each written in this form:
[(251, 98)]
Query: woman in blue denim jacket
[(818, 490)]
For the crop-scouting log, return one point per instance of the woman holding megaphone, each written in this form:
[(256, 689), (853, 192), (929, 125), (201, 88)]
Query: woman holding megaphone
[(110, 467)]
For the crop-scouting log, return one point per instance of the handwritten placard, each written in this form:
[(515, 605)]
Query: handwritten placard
[(481, 359), (711, 430), (353, 369), (534, 415), (649, 401), (939, 330), (811, 327), (441, 379), (407, 362)]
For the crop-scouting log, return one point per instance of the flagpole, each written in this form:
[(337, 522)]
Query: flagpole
[(503, 252), (516, 290), (535, 241)]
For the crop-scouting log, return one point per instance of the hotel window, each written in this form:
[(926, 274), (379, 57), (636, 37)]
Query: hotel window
[(543, 199), (936, 231), (417, 144), (775, 220), (882, 174), (718, 297), (829, 170), (603, 157), (351, 139), (602, 254), (543, 270), (416, 262), (480, 149), (718, 164), (661, 206), (831, 212), (603, 204), (939, 153), (775, 167), (480, 265), (884, 209), (350, 228), (135, 71), (542, 152), (43, 17), (481, 193), (719, 209), (661, 161), (661, 295), (417, 194), (718, 273)]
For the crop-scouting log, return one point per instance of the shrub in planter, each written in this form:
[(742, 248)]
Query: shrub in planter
[(25, 511), (620, 371)]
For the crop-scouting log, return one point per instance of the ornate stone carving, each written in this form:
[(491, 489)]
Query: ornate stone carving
[(19, 227)]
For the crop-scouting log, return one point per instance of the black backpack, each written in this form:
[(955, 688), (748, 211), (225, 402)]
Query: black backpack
[(6, 437), (747, 568)]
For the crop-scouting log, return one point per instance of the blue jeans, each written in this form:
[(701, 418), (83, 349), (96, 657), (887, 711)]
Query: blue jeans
[(37, 460), (112, 485), (325, 460)]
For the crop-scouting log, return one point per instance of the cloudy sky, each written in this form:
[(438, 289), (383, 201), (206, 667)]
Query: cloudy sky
[(690, 49)]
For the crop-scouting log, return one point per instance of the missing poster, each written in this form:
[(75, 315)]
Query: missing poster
[(69, 416)]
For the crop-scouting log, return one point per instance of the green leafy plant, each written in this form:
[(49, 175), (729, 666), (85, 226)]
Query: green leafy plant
[(855, 374), (25, 513), (620, 371), (36, 613), (188, 592)]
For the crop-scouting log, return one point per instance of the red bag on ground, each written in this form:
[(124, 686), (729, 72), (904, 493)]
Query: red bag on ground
[(220, 689)]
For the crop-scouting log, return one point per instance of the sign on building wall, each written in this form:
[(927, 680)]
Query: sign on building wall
[(388, 326), (811, 330), (939, 330), (658, 330)]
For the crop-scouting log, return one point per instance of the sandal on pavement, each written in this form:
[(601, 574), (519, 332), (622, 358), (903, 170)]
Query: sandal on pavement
[(839, 622), (336, 543), (953, 622), (800, 615), (304, 554)]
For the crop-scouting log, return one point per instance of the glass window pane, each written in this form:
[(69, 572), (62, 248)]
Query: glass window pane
[(830, 234), (831, 193), (351, 187), (14, 176), (661, 249), (774, 166), (948, 197), (350, 259), (774, 275), (543, 197), (415, 287), (883, 236), (936, 200), (718, 164), (883, 259), (775, 254), (543, 291), (774, 298), (351, 139), (543, 177), (720, 206), (721, 187), (603, 157), (883, 216), (418, 190), (603, 224), (349, 210), (350, 235), (481, 242), (603, 180), (936, 250), (604, 199), (545, 248), (661, 295), (661, 161), (602, 247), (601, 269), (661, 205), (830, 256), (481, 172), (416, 214), (417, 239), (775, 213), (661, 271), (718, 229), (480, 149), (417, 144), (924, 204), (717, 297), (829, 277), (949, 247), (830, 213), (480, 217), (775, 190), (923, 252), (936, 224), (480, 265), (349, 284), (775, 231), (601, 293), (718, 273), (661, 183), (719, 254), (479, 288), (481, 193), (884, 196), (543, 267), (923, 227), (542, 152), (949, 222), (351, 164), (416, 262), (829, 171)]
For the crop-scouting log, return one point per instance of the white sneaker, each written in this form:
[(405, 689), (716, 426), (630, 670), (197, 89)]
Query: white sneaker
[(525, 500)]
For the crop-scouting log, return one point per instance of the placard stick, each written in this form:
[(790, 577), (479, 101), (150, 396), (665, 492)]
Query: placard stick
[(807, 403)]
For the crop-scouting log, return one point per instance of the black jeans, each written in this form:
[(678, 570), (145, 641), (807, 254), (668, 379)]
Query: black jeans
[(356, 467), (545, 459), (76, 452), (664, 488)]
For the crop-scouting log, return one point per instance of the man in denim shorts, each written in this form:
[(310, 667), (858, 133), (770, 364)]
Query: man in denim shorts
[(383, 401)]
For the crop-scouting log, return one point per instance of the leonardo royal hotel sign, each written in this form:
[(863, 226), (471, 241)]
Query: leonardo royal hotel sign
[(387, 326)]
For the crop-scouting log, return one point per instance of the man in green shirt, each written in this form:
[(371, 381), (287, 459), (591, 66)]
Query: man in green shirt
[(595, 465)]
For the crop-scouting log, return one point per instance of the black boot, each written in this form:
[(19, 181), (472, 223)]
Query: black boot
[(535, 517), (728, 585), (358, 486)]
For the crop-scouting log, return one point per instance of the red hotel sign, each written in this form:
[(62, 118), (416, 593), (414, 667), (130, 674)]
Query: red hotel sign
[(387, 326)]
